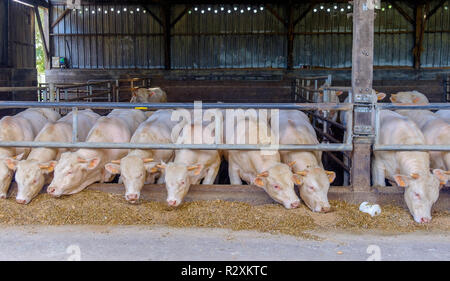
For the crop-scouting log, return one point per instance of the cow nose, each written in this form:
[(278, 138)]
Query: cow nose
[(325, 209), (132, 198), (3, 196), (51, 190), (425, 220), (295, 204), (172, 203), (21, 201)]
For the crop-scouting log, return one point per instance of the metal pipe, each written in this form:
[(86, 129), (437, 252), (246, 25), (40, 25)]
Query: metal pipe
[(109, 145), (74, 125), (416, 147), (127, 105), (431, 106)]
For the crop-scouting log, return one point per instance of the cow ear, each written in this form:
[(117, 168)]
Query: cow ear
[(92, 163), (113, 168), (151, 167), (11, 163), (381, 96), (393, 98), (401, 180), (48, 167), (442, 175), (297, 179), (331, 176), (196, 168), (258, 181), (416, 100), (338, 93)]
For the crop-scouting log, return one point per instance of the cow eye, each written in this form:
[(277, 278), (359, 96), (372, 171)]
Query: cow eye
[(276, 187), (311, 188), (417, 195)]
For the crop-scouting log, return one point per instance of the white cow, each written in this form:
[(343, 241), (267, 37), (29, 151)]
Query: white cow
[(35, 171), (138, 167), (295, 128), (23, 126), (76, 170), (262, 169), (190, 166), (444, 114), (148, 95), (409, 97), (409, 169), (435, 129)]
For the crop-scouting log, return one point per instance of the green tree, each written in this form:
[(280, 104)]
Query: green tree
[(40, 55)]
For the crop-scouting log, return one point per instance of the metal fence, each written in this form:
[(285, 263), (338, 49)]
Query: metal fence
[(151, 106), (401, 147)]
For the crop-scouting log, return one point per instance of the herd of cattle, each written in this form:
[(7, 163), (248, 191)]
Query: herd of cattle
[(422, 174)]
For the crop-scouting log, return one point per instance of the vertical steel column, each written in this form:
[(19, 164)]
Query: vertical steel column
[(74, 124)]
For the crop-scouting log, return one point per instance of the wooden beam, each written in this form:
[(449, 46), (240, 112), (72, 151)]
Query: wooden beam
[(434, 10), (402, 12), (275, 14), (155, 17), (419, 34), (180, 16), (41, 31), (165, 14), (290, 36), (66, 11), (303, 15), (39, 3), (362, 77)]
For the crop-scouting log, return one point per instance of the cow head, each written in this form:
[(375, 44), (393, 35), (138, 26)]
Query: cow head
[(278, 182), (178, 178), (30, 178), (71, 173), (314, 186), (7, 168), (413, 97), (421, 192), (134, 171)]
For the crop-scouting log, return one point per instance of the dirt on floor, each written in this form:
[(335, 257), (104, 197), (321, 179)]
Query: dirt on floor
[(99, 208)]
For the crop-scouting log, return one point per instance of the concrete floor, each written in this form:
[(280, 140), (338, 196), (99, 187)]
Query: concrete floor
[(163, 243)]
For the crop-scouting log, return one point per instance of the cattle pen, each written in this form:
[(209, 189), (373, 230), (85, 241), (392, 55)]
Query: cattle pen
[(331, 60)]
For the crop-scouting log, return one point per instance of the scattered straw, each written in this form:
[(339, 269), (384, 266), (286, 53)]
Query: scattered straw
[(99, 208)]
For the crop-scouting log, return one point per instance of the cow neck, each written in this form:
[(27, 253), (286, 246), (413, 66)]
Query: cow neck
[(303, 160), (43, 154), (413, 162), (142, 153), (6, 152)]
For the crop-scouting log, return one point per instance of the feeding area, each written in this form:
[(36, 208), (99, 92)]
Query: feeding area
[(280, 118)]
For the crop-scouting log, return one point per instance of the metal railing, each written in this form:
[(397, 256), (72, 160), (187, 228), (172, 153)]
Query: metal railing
[(307, 89), (152, 106), (401, 147)]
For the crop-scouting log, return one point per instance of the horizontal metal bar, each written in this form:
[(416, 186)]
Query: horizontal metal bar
[(127, 105), (417, 147), (434, 106), (109, 145), (21, 89), (324, 77)]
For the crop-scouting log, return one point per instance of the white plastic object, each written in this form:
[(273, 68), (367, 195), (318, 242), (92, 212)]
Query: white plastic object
[(373, 210)]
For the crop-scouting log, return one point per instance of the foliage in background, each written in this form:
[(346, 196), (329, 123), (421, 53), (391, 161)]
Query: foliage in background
[(40, 53)]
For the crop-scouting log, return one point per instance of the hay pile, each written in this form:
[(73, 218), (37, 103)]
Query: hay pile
[(99, 208)]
